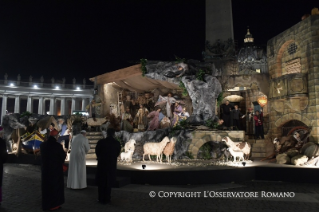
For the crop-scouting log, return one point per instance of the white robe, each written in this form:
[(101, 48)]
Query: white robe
[(77, 164)]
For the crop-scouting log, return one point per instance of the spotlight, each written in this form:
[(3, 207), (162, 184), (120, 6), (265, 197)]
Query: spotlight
[(11, 84), (77, 88), (57, 87), (244, 163), (35, 86), (143, 166)]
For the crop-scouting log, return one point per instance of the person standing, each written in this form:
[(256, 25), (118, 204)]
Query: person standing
[(3, 158), (225, 110), (236, 114), (154, 123), (177, 110), (64, 134), (127, 121), (52, 179), (107, 150), (77, 165), (259, 128)]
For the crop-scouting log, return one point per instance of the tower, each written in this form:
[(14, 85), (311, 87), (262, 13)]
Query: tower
[(219, 20)]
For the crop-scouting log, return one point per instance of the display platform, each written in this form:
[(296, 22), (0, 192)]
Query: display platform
[(193, 172), (165, 174)]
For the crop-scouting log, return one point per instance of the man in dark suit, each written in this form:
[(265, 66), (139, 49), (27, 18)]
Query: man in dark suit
[(107, 150)]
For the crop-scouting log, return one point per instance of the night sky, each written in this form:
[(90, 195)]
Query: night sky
[(83, 39)]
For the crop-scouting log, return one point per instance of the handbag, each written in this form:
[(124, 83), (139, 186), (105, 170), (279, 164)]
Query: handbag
[(65, 168)]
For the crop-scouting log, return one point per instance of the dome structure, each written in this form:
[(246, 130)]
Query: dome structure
[(251, 59)]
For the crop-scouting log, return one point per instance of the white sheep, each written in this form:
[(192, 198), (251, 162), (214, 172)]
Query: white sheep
[(127, 155), (238, 146), (130, 145), (236, 154), (169, 150), (152, 148)]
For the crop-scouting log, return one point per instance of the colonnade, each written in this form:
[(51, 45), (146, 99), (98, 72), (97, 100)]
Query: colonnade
[(76, 104)]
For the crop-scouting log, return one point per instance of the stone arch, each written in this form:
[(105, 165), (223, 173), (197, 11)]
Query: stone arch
[(202, 137), (292, 116)]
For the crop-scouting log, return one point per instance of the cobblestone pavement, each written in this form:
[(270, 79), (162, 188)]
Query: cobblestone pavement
[(22, 192)]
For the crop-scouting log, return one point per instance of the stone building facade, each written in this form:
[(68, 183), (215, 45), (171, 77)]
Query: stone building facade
[(293, 62)]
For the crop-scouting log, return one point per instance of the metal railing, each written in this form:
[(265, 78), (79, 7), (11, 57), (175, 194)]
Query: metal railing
[(12, 83)]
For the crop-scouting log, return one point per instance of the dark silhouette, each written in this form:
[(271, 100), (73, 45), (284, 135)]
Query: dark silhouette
[(53, 157), (107, 150), (3, 158)]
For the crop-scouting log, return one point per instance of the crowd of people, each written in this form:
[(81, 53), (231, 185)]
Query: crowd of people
[(231, 116)]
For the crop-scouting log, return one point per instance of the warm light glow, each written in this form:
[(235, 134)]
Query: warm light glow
[(262, 101), (258, 70)]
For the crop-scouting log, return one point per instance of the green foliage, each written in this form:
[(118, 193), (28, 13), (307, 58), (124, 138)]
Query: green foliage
[(184, 124), (189, 154), (211, 124), (179, 60), (26, 113), (182, 85), (174, 130), (206, 149), (143, 64), (120, 141), (219, 99), (153, 157), (200, 75)]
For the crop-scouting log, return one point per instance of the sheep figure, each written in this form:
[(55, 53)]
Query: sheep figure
[(130, 145), (152, 148), (127, 156), (226, 154), (236, 154), (169, 150), (238, 146)]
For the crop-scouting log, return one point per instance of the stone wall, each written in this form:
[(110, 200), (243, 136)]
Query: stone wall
[(109, 96), (302, 41)]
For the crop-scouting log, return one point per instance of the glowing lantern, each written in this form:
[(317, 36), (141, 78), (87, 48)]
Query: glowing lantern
[(262, 101)]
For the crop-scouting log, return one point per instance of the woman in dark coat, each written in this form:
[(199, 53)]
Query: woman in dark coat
[(53, 157), (107, 150), (3, 158)]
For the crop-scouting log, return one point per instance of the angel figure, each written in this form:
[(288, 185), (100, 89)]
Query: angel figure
[(169, 100)]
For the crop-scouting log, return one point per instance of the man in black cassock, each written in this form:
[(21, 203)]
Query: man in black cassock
[(52, 159), (225, 111), (3, 158), (107, 150)]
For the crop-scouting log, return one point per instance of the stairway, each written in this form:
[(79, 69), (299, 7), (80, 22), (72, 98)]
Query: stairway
[(259, 150), (93, 138)]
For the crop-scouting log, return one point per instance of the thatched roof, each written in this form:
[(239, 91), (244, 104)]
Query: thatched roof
[(131, 78)]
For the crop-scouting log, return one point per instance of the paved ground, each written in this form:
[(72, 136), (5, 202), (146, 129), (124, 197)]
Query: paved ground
[(22, 192)]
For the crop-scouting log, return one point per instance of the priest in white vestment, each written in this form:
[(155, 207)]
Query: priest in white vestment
[(77, 164)]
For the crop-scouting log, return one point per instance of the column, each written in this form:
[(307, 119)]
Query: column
[(29, 104), (52, 106), (73, 105), (84, 103), (4, 106), (63, 106), (17, 104), (40, 107)]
